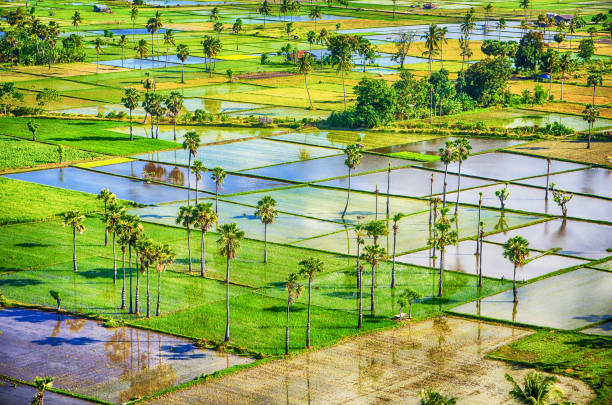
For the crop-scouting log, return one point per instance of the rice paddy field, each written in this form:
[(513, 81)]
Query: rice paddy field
[(135, 326)]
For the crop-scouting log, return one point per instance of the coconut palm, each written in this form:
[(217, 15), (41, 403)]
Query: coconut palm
[(132, 232), (174, 103), (98, 42), (77, 20), (218, 28), (294, 290), (123, 41), (396, 218), (142, 49), (133, 15), (323, 37), (145, 248), (594, 79), (353, 158), (289, 28), (112, 219), (309, 268), (376, 229), (442, 32), (124, 242), (304, 67), (487, 9), (218, 175), (169, 42), (373, 254), (265, 10), (407, 298), (463, 148), (230, 237), (501, 25), (266, 211), (182, 52), (432, 43), (76, 221), (108, 198), (566, 65), (214, 14), (204, 218), (448, 155), (516, 250), (186, 217), (571, 28), (42, 384), (443, 237), (590, 115), (524, 4), (467, 26), (198, 169), (431, 397), (315, 14), (153, 25), (236, 28), (163, 257), (537, 389), (343, 61), (558, 38), (191, 142)]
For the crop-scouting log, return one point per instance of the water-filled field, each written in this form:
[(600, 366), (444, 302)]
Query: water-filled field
[(595, 181)]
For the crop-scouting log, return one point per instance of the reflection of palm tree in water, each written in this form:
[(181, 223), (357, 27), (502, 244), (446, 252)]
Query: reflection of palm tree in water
[(304, 153), (155, 171), (75, 324), (149, 381), (212, 106), (502, 223), (117, 347), (176, 176), (57, 328)]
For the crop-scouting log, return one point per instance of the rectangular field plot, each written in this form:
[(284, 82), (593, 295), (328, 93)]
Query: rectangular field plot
[(505, 166), (414, 231), (207, 134), (556, 302), (329, 204), (576, 238), (286, 228), (177, 175), (91, 182), (462, 257), (596, 181), (432, 146), (341, 139), (320, 169), (243, 155), (411, 182)]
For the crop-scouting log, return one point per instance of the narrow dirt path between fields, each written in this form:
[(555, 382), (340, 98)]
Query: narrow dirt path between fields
[(445, 354)]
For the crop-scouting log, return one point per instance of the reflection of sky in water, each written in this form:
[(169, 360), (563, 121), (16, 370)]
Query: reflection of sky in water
[(87, 358), (557, 302), (595, 181)]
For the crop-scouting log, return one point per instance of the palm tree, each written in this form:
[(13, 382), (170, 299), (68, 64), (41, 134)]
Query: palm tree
[(265, 10), (442, 237), (487, 9), (112, 220), (168, 41), (309, 268), (289, 28), (229, 240), (122, 43), (353, 158), (467, 26), (218, 175), (537, 389), (594, 79), (214, 14), (396, 218), (191, 142), (142, 49), (501, 25), (145, 249), (186, 217), (76, 21), (407, 298), (304, 66), (448, 155), (130, 101), (163, 257), (431, 397), (516, 250), (315, 14), (174, 103), (197, 170), (463, 148), (132, 232), (266, 210), (524, 4), (42, 384), (432, 43), (133, 15), (124, 241), (566, 65), (294, 290), (76, 221), (204, 218), (373, 254), (442, 32), (153, 25), (182, 52), (571, 28), (590, 115), (98, 46), (360, 234), (236, 28), (218, 28), (323, 37), (344, 62), (558, 38), (108, 198)]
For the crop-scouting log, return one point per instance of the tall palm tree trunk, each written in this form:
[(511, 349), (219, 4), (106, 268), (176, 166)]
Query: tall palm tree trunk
[(514, 290), (372, 288), (265, 243), (74, 259), (158, 309), (148, 295), (287, 327), (114, 262), (189, 246), (182, 72), (196, 190), (348, 193), (444, 187), (189, 180), (216, 198), (131, 134), (130, 267), (358, 267), (588, 147), (360, 322), (308, 322), (393, 268), (123, 285), (440, 283), (562, 77), (227, 319), (344, 90), (137, 295), (458, 188), (308, 91), (202, 255)]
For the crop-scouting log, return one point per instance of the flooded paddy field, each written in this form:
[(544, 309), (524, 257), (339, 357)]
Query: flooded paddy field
[(462, 257), (596, 181), (111, 364), (87, 181), (15, 393), (432, 146), (556, 302), (446, 354), (207, 134)]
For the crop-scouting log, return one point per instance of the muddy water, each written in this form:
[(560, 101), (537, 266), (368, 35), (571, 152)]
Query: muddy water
[(110, 364), (22, 394), (445, 354)]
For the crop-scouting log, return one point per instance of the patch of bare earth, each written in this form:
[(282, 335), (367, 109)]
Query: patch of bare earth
[(600, 152), (446, 354)]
